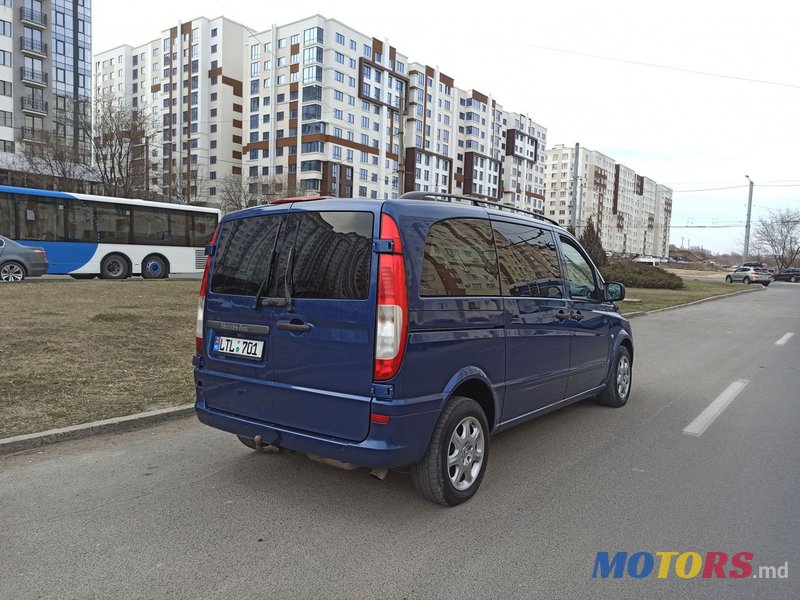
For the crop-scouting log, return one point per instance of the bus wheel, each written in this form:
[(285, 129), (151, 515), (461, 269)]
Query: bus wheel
[(114, 266), (154, 267)]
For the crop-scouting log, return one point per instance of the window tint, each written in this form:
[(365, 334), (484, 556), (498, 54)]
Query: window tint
[(178, 227), (150, 226), (243, 254), (202, 229), (80, 222), (579, 272), (113, 223), (7, 227), (40, 218), (332, 255), (528, 261), (460, 260)]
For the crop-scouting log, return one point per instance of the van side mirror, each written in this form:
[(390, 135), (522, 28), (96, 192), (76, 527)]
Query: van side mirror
[(615, 291)]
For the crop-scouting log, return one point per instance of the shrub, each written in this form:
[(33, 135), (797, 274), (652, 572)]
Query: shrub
[(641, 275)]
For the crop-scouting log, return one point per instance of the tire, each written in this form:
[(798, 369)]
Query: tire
[(746, 281), (618, 389), (793, 279), (463, 433), (728, 279), (12, 271), (114, 266), (154, 267), (83, 276)]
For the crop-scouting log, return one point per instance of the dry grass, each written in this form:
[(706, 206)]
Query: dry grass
[(78, 351)]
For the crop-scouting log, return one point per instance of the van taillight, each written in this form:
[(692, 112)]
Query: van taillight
[(391, 322), (201, 302)]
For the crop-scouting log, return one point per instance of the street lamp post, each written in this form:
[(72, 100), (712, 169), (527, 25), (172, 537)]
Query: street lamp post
[(747, 227)]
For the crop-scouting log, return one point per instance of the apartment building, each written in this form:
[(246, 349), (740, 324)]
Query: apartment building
[(189, 81), (524, 163), (632, 212), (324, 110), (45, 76), (318, 107)]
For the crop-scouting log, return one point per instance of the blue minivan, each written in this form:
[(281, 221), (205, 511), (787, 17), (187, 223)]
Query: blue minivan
[(401, 333)]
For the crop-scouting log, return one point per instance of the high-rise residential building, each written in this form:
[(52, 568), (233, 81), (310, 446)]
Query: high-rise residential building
[(45, 77), (319, 107), (631, 212), (324, 109), (189, 81), (524, 163)]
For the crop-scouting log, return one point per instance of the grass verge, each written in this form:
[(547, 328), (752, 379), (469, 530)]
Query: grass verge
[(78, 351), (692, 291)]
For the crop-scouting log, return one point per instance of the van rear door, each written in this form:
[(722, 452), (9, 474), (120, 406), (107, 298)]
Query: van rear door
[(238, 338), (324, 336)]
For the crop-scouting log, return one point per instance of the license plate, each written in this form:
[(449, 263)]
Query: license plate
[(238, 347)]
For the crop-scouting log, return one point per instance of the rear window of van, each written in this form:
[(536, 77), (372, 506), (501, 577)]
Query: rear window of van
[(331, 257)]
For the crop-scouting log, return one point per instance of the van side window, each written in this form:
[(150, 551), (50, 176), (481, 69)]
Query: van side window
[(580, 274), (460, 260), (528, 261)]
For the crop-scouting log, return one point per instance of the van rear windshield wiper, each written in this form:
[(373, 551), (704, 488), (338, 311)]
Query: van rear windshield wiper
[(265, 283)]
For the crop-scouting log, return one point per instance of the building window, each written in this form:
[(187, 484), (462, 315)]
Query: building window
[(5, 26)]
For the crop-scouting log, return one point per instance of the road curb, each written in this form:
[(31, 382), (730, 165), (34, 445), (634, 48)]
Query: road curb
[(74, 432), (643, 313)]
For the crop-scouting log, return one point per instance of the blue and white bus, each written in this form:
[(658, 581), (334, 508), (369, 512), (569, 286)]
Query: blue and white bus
[(113, 238)]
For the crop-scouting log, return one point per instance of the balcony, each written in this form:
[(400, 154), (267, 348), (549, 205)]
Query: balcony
[(32, 17), (31, 46), (33, 76), (34, 105), (29, 134)]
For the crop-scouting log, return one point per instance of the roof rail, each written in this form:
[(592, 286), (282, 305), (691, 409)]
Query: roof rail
[(446, 197)]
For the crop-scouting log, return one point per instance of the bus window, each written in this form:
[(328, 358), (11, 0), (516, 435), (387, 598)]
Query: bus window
[(113, 223), (179, 227), (80, 222), (150, 227), (7, 217), (203, 229), (40, 218)]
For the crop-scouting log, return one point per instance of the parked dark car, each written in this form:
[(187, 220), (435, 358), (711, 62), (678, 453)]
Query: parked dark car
[(791, 274), (18, 262), (401, 333)]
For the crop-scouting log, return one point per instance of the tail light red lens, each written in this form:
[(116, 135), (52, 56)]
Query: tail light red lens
[(391, 322), (201, 302)]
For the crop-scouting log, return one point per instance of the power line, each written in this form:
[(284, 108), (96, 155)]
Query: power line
[(657, 66)]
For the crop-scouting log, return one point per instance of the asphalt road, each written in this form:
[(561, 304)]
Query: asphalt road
[(183, 511)]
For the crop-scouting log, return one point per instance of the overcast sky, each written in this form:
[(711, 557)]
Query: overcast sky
[(690, 131)]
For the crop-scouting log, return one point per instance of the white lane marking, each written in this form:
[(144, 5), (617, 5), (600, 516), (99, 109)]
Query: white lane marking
[(713, 410), (784, 339)]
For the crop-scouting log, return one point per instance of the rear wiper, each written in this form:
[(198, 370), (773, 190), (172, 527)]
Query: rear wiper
[(265, 283), (288, 281)]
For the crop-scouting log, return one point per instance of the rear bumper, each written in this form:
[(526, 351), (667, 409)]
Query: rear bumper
[(399, 443), (37, 270)]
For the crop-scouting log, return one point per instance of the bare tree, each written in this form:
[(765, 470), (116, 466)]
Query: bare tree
[(188, 187), (780, 234), (237, 193), (52, 161), (120, 136)]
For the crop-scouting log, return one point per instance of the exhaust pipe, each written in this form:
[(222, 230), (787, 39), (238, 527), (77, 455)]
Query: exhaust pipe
[(379, 473)]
